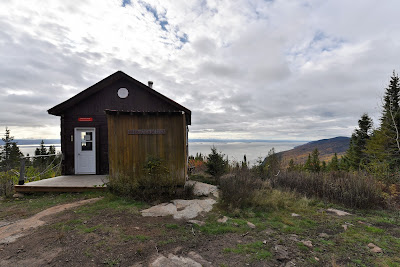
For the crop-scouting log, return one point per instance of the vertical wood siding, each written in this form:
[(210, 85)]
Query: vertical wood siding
[(128, 153)]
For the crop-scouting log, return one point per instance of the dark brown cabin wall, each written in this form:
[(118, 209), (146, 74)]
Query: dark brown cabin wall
[(128, 153), (100, 124), (94, 107), (137, 100)]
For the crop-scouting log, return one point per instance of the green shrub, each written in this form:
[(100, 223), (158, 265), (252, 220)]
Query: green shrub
[(355, 190), (155, 183), (216, 165)]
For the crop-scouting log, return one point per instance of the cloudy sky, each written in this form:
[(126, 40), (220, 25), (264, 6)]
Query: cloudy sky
[(279, 69)]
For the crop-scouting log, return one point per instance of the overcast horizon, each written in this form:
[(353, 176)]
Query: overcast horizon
[(265, 70)]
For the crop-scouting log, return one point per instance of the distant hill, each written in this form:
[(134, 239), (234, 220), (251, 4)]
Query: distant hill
[(326, 147), (34, 141)]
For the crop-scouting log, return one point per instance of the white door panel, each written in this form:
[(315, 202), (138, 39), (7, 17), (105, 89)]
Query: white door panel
[(85, 151)]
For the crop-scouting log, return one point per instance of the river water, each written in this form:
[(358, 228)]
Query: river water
[(234, 150)]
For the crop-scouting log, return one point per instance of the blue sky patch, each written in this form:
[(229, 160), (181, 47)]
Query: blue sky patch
[(126, 2), (163, 23), (184, 39)]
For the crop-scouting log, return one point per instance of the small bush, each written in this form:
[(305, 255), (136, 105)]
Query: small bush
[(239, 188), (155, 184), (197, 166), (355, 190), (216, 165)]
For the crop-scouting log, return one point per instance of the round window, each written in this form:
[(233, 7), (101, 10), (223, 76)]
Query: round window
[(123, 93)]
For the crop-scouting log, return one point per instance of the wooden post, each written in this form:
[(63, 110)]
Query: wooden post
[(22, 172)]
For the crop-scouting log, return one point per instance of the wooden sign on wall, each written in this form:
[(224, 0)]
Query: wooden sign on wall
[(146, 131), (85, 119)]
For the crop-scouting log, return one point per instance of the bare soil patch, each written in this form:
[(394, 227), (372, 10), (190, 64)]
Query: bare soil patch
[(112, 232), (12, 231)]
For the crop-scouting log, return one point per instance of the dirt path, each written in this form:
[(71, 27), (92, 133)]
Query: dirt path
[(11, 232)]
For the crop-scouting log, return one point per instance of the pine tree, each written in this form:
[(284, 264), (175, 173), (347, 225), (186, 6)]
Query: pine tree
[(292, 166), (308, 164), (316, 167), (5, 153), (216, 165), (324, 168), (313, 164), (244, 162), (383, 148), (15, 156), (355, 155), (272, 163), (52, 150), (40, 162), (334, 163)]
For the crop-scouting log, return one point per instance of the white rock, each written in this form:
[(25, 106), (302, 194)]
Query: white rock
[(323, 235), (189, 212), (307, 243), (338, 212), (180, 209), (295, 215), (202, 189), (374, 248), (182, 261), (251, 225), (196, 257), (18, 195), (199, 223), (223, 219), (163, 209)]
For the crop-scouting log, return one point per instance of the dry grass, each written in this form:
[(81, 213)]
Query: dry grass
[(356, 190), (239, 188)]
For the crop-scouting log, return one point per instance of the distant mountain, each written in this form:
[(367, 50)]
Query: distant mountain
[(326, 147), (34, 141)]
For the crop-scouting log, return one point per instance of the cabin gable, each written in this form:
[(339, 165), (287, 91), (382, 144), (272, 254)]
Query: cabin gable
[(86, 110)]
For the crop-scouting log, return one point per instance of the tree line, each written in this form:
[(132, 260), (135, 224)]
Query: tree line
[(375, 150), (11, 156)]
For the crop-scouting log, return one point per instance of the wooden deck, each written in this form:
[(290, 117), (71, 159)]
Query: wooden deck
[(68, 183)]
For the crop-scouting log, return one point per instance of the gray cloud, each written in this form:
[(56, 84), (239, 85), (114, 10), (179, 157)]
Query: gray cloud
[(258, 69)]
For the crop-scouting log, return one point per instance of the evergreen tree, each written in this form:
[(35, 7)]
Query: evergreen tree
[(10, 155), (272, 164), (292, 166), (334, 164), (383, 148), (308, 164), (199, 157), (324, 168), (216, 165), (244, 162), (315, 163), (355, 155), (40, 162), (15, 156), (52, 150)]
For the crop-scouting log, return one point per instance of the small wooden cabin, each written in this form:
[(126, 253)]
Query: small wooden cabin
[(116, 123)]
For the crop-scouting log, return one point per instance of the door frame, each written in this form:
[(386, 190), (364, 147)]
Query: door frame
[(76, 129)]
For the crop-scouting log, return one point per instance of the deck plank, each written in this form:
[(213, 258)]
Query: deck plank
[(67, 183)]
